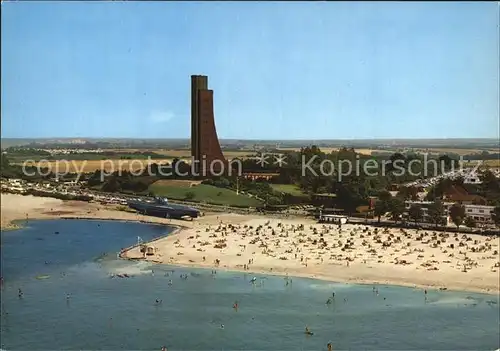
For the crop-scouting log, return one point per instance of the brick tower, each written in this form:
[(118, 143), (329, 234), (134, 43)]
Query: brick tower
[(205, 147)]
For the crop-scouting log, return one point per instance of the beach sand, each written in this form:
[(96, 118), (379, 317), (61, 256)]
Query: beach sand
[(354, 253), (300, 247)]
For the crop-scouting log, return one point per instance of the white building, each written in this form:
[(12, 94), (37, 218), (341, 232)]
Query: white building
[(472, 178), (424, 205), (481, 214), (330, 218)]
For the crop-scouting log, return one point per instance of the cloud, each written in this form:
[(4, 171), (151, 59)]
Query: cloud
[(161, 117)]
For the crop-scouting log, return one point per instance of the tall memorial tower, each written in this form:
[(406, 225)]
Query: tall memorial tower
[(205, 147)]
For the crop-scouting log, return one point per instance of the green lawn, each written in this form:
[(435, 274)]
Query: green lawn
[(288, 188), (205, 193)]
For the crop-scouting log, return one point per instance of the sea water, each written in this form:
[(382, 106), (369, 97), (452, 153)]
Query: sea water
[(105, 313)]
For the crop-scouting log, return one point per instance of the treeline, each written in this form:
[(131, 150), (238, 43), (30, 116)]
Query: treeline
[(58, 195), (120, 182)]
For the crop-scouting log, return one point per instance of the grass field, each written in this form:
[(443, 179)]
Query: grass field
[(203, 193), (288, 188)]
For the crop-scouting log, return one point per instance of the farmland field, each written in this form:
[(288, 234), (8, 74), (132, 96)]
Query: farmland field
[(483, 164), (203, 193), (87, 166), (186, 153), (365, 151)]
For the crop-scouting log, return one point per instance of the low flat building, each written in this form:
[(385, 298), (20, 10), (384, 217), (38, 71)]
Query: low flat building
[(481, 214), (424, 205), (330, 218)]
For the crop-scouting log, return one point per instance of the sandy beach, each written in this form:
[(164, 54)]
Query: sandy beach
[(352, 253), (300, 247)]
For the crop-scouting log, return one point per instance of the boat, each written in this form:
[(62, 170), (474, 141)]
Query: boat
[(162, 208)]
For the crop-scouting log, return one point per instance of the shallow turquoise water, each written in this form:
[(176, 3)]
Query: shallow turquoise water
[(106, 313)]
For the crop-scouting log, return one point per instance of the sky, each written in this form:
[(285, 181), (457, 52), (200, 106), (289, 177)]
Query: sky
[(282, 70)]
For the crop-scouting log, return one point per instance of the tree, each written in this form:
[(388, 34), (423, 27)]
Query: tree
[(112, 185), (490, 186), (95, 178), (416, 213), (496, 216), (349, 197), (457, 214), (396, 208), (470, 222), (4, 161), (381, 207), (397, 161), (385, 196), (436, 212), (408, 193)]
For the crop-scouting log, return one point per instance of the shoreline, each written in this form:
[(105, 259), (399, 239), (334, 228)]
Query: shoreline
[(182, 248), (331, 254), (290, 274)]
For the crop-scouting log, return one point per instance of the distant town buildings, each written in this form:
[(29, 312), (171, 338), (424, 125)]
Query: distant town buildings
[(480, 213)]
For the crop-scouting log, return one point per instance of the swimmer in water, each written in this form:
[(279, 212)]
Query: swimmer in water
[(222, 326), (68, 296), (20, 293), (235, 305)]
